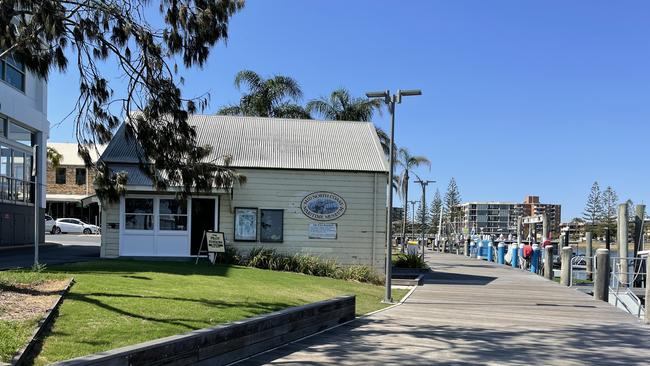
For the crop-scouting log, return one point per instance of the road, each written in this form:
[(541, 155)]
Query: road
[(473, 312), (62, 248)]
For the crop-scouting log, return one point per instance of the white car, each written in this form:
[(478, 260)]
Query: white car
[(49, 224), (74, 226)]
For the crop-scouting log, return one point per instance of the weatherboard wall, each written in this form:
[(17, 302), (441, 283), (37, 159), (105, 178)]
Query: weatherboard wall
[(361, 231)]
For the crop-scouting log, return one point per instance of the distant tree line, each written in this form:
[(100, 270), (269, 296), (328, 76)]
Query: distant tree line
[(601, 210)]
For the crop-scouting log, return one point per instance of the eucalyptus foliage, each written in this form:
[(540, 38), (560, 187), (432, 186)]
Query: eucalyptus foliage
[(101, 38)]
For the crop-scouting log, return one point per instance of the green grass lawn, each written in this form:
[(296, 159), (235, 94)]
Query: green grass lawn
[(117, 303)]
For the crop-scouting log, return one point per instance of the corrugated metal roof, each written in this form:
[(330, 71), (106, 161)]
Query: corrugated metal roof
[(70, 152), (136, 176), (257, 142)]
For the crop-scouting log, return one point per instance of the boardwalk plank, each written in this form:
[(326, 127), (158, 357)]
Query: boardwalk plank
[(473, 312)]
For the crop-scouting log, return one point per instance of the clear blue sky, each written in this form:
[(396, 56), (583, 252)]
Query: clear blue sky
[(520, 97)]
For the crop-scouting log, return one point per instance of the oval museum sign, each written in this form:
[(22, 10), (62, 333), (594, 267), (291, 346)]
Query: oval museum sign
[(323, 206)]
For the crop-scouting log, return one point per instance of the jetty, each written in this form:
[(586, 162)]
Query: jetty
[(475, 312)]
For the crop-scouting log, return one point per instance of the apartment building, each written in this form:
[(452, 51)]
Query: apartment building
[(495, 218), (23, 125)]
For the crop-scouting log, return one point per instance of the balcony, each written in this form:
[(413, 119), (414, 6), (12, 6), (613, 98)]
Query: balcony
[(16, 191)]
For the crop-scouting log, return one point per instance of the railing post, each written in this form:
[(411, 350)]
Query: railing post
[(647, 289), (588, 257), (565, 273), (622, 242), (548, 262), (601, 283)]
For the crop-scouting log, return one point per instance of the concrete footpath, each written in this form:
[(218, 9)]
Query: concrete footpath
[(474, 312)]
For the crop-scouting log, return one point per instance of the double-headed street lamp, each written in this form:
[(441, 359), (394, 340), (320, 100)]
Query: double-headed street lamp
[(391, 100), (424, 184)]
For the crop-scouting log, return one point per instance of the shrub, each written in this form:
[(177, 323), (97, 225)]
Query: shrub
[(231, 256), (310, 265), (260, 257), (361, 274), (409, 261)]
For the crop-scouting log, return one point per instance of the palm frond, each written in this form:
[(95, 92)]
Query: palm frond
[(250, 79)]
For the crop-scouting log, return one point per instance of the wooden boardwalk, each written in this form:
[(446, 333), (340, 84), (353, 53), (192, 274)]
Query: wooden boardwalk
[(474, 312)]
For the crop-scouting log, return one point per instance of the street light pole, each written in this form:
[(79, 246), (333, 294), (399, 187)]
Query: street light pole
[(424, 184), (391, 100), (413, 217)]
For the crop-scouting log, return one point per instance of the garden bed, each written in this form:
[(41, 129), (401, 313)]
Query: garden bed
[(25, 299)]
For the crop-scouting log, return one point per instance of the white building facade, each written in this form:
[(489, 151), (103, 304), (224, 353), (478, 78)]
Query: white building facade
[(23, 124)]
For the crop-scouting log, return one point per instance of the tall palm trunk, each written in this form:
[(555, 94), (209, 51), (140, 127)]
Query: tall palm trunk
[(405, 184)]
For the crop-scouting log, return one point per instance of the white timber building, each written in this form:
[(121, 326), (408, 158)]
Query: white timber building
[(23, 124), (313, 187)]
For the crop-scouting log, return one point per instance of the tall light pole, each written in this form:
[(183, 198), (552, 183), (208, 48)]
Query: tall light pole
[(37, 205), (391, 100), (413, 217), (424, 184)]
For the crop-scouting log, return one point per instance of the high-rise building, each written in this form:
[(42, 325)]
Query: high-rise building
[(495, 218)]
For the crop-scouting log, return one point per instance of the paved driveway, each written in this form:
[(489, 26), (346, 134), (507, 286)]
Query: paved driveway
[(62, 248)]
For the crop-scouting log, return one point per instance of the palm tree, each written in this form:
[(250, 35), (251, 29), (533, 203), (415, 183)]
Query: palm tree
[(341, 106), (274, 97), (407, 162), (54, 158)]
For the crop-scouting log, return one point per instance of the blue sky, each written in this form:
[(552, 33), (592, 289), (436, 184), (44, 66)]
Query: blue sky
[(519, 97)]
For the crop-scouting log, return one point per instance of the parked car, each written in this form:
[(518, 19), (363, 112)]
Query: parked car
[(67, 225), (49, 224)]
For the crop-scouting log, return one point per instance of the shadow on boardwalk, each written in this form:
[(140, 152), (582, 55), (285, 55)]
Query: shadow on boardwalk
[(364, 342), (472, 312)]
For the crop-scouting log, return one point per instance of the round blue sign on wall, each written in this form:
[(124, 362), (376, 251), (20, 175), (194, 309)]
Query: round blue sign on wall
[(323, 206)]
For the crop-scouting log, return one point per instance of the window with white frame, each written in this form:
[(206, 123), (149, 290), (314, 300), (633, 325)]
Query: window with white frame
[(138, 213), (172, 214)]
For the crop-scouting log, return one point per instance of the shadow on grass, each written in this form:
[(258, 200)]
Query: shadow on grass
[(253, 307), (131, 268)]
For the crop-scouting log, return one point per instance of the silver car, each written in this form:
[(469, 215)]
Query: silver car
[(69, 225)]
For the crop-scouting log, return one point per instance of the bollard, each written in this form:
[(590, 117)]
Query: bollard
[(534, 261), (565, 273), (588, 257), (472, 250), (490, 253), (467, 247), (601, 285), (501, 253), (479, 250), (515, 256), (548, 262)]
